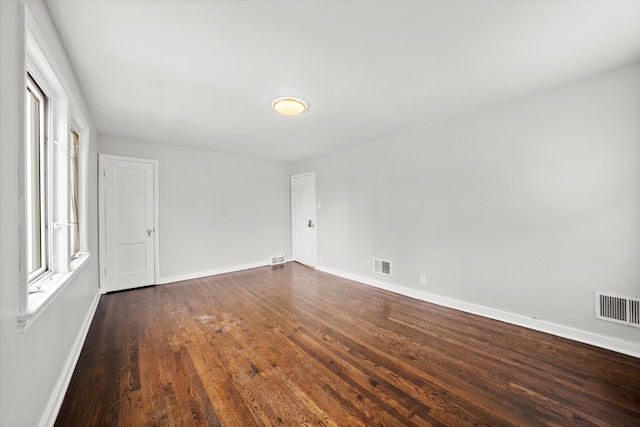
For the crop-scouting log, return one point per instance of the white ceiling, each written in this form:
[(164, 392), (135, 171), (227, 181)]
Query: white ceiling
[(203, 73)]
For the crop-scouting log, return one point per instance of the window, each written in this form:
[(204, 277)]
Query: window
[(54, 170), (74, 229), (36, 181)]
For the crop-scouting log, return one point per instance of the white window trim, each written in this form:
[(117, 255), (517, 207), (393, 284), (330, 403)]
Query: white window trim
[(40, 65), (53, 285)]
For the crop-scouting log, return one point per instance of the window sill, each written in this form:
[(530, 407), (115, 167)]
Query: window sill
[(56, 283)]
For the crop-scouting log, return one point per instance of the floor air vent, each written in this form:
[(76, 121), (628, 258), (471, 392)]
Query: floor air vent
[(381, 266), (618, 309), (277, 260)]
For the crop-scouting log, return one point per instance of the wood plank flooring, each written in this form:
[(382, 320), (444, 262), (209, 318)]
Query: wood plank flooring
[(296, 347)]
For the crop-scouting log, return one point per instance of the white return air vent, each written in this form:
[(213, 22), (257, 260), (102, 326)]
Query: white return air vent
[(618, 309), (382, 266), (277, 260)]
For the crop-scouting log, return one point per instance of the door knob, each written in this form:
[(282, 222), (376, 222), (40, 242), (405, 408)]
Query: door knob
[(149, 231), (310, 225)]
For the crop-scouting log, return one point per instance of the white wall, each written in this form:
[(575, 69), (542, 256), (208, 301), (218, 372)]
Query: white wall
[(217, 211), (525, 209), (34, 363)]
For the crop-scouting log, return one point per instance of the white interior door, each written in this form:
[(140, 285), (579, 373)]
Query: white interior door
[(303, 218), (128, 249)]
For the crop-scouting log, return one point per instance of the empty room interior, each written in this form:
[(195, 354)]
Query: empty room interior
[(319, 213)]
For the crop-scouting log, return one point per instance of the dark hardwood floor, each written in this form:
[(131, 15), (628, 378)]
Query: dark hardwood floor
[(293, 346)]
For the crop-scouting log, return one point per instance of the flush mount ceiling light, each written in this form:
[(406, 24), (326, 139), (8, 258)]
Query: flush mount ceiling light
[(289, 106)]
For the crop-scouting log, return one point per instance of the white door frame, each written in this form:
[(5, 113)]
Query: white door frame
[(102, 159), (294, 248)]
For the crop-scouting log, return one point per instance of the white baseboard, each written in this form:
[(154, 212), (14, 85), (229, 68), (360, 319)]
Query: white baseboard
[(189, 276), (624, 347), (55, 402)]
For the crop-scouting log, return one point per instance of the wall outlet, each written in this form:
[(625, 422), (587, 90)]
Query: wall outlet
[(422, 278)]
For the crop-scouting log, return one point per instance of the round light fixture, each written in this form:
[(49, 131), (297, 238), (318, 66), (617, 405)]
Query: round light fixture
[(289, 106)]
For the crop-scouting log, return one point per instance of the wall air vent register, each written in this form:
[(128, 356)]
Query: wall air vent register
[(618, 309), (381, 266)]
